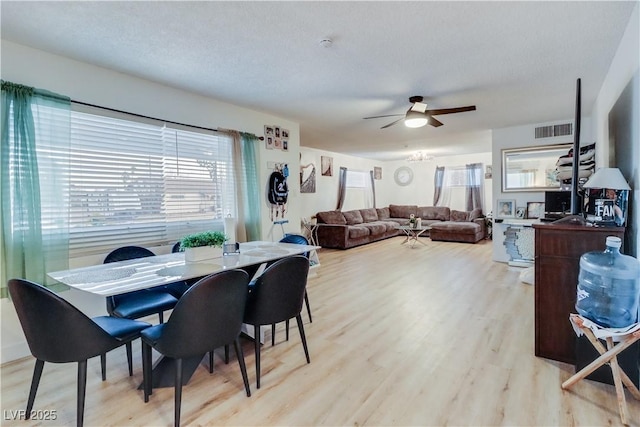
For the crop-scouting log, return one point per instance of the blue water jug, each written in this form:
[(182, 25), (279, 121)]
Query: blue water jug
[(608, 290)]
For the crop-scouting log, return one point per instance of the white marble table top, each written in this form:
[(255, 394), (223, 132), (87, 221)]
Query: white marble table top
[(143, 273)]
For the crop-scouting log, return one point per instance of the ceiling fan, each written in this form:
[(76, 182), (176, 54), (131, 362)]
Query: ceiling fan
[(418, 115)]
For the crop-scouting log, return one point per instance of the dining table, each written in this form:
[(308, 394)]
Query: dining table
[(145, 273)]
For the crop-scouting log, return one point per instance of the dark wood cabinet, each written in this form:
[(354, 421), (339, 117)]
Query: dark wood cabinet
[(558, 248)]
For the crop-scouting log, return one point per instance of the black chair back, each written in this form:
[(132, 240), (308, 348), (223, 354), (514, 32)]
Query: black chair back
[(207, 316), (56, 331), (127, 252), (298, 239), (278, 293)]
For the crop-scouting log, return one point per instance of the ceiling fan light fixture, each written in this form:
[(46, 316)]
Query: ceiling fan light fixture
[(419, 157), (415, 119)]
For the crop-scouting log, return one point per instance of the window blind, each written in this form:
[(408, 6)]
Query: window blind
[(134, 182)]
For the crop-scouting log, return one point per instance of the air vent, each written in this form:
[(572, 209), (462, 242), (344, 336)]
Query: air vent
[(563, 130), (555, 130)]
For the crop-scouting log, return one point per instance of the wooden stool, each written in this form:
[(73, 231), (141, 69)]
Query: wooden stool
[(607, 355)]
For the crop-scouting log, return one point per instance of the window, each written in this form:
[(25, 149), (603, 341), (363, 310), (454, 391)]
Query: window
[(143, 182), (357, 179)]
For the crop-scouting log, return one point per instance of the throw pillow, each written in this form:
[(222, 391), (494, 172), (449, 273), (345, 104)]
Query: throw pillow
[(353, 217), (476, 213), (383, 213), (459, 216), (369, 215), (331, 217)]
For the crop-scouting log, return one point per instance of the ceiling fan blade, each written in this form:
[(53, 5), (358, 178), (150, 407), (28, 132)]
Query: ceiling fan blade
[(434, 122), (379, 117), (419, 107), (451, 110), (392, 123)]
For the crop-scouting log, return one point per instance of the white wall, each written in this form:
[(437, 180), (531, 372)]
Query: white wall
[(625, 65), (95, 85), (518, 137), (419, 192)]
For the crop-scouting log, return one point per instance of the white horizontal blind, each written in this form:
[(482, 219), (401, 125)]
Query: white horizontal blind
[(199, 183), (137, 183)]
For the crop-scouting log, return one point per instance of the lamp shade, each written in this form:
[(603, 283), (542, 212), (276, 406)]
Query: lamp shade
[(415, 119), (607, 178)]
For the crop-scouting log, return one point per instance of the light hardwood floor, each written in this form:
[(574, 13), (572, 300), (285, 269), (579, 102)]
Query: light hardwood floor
[(435, 335)]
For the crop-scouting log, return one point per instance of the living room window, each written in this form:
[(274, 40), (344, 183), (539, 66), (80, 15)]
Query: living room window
[(143, 182), (359, 194)]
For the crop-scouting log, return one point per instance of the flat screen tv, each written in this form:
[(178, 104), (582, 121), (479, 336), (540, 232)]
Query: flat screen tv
[(557, 203), (576, 208)]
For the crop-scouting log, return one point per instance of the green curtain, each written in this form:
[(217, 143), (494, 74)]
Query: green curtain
[(34, 218), (252, 192)]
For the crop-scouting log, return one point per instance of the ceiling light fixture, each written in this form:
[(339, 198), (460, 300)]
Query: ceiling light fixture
[(415, 119), (419, 157), (326, 42)]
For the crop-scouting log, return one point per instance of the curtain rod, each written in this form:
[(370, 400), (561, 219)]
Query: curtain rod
[(261, 138)]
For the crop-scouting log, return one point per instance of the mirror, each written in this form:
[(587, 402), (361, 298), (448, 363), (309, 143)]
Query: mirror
[(532, 168)]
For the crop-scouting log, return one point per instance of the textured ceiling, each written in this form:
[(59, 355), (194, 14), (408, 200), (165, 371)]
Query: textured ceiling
[(516, 61)]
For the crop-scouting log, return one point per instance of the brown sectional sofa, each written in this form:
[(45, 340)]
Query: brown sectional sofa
[(343, 230)]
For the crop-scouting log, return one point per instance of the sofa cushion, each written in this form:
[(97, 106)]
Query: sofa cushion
[(402, 211), (459, 216), (440, 213), (331, 217), (476, 213), (383, 213), (390, 225), (375, 228), (356, 231), (457, 227), (353, 217), (369, 215)]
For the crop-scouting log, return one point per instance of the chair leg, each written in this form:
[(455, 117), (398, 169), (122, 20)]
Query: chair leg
[(211, 362), (37, 373), (273, 334), (302, 337), (82, 389), (147, 379), (243, 367), (129, 357), (256, 340), (178, 392), (306, 301), (161, 316), (226, 354), (103, 366), (286, 322)]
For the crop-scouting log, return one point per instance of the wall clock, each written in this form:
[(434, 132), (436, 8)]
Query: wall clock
[(403, 176)]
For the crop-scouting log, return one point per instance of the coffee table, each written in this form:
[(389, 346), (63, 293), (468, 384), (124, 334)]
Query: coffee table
[(412, 233)]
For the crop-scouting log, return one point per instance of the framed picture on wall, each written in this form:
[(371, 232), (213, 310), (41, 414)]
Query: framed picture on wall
[(326, 165), (520, 212), (535, 210), (506, 208)]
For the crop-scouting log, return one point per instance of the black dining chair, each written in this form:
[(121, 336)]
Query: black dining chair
[(277, 296), (208, 316), (57, 332), (297, 239), (137, 304)]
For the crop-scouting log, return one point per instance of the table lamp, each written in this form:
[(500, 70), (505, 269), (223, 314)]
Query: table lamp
[(606, 197)]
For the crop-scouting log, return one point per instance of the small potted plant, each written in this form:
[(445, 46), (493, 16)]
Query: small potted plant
[(202, 246)]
